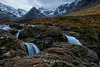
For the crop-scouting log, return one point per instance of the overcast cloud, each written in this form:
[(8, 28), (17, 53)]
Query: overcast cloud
[(28, 4)]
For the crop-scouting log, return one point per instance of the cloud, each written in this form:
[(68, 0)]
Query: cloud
[(28, 4)]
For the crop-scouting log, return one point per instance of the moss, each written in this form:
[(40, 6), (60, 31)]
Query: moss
[(37, 23), (62, 18), (47, 24), (59, 64), (1, 41), (8, 44), (93, 52), (85, 47), (76, 21)]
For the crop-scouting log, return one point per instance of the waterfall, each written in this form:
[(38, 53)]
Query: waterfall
[(73, 40), (17, 35), (32, 49), (5, 27), (31, 25)]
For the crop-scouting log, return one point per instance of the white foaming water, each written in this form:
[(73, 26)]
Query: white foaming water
[(17, 35), (5, 27), (31, 25), (73, 40), (32, 49)]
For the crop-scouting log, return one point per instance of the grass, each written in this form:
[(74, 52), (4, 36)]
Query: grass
[(87, 26), (90, 11)]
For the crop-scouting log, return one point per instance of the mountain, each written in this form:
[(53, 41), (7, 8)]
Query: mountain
[(84, 7), (61, 10), (47, 12), (9, 13), (90, 11), (33, 13), (78, 7)]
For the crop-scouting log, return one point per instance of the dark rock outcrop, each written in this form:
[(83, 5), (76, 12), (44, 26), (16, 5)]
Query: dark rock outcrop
[(10, 46), (59, 55), (42, 36)]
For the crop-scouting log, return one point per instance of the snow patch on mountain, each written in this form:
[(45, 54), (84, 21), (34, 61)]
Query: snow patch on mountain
[(62, 9), (47, 12), (4, 9), (77, 1)]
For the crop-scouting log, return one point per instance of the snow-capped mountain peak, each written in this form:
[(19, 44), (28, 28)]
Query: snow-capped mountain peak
[(47, 12), (4, 9)]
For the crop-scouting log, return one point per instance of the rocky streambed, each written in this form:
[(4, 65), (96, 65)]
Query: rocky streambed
[(55, 48)]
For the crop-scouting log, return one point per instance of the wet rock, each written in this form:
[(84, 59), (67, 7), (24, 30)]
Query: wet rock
[(9, 43), (67, 53), (16, 26), (42, 36), (7, 55), (53, 31), (13, 31), (59, 55)]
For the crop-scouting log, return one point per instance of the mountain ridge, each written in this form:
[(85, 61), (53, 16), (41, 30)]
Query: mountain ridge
[(78, 6), (9, 13), (83, 5)]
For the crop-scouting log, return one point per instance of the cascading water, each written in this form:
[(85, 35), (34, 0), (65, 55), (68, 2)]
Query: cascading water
[(5, 27), (73, 40), (17, 35), (32, 49)]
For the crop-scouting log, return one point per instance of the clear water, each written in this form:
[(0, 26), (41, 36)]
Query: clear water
[(32, 49), (5, 27), (73, 40), (17, 35)]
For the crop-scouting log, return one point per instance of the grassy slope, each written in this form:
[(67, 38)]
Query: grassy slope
[(88, 26), (90, 11)]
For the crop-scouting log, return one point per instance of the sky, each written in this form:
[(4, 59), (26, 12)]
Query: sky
[(28, 4)]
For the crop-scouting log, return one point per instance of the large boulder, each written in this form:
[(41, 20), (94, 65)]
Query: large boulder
[(10, 46), (42, 36)]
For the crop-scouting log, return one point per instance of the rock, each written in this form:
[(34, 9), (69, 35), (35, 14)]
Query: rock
[(14, 62), (16, 26), (53, 31), (41, 65), (59, 55), (65, 52), (63, 64), (31, 32), (13, 31), (92, 56), (3, 48), (9, 43), (42, 36), (7, 55)]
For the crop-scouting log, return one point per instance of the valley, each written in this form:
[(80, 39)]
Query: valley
[(67, 36)]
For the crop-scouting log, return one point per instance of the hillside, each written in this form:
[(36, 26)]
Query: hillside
[(48, 40), (88, 26), (85, 7), (67, 36), (90, 11)]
